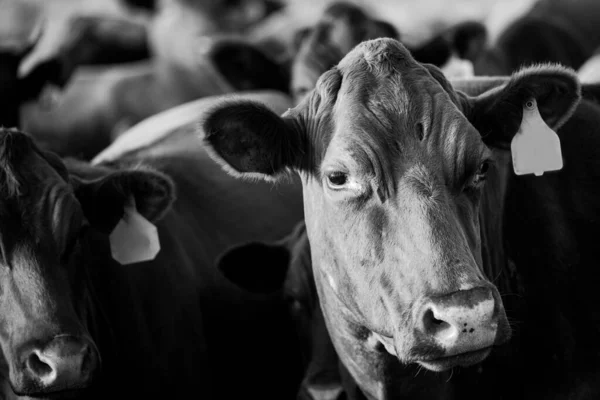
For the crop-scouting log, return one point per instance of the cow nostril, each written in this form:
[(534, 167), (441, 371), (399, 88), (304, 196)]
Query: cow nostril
[(437, 327), (39, 368), (65, 361), (87, 364), (432, 324)]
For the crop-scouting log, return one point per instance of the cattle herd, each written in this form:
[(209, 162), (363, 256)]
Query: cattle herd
[(195, 204)]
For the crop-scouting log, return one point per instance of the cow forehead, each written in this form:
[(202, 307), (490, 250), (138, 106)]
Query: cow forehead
[(391, 108), (30, 188), (381, 76)]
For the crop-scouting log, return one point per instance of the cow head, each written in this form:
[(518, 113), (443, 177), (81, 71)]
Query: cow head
[(344, 25), (47, 302), (394, 163)]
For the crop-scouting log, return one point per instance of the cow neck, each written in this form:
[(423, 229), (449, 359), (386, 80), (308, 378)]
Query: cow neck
[(496, 262)]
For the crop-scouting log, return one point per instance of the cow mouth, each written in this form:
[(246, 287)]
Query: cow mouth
[(59, 395), (459, 360), (65, 394)]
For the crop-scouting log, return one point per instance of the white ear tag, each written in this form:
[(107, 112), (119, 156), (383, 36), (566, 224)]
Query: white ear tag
[(535, 148), (134, 239)]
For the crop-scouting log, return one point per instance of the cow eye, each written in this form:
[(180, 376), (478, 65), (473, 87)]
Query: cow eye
[(481, 174), (72, 243), (474, 183), (337, 180)]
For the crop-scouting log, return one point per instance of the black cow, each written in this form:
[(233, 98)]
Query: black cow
[(565, 32), (75, 323)]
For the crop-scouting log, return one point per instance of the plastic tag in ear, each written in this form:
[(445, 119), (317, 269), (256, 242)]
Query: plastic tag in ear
[(134, 239), (535, 148)]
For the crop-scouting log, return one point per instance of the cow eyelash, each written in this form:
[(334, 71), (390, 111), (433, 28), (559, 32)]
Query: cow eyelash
[(337, 180), (481, 175), (73, 243), (483, 169)]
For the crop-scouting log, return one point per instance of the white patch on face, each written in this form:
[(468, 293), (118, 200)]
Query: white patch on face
[(456, 68), (467, 328), (332, 283), (329, 392)]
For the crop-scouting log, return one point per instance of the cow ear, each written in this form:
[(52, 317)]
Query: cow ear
[(256, 267), (103, 199), (252, 140), (246, 67), (497, 113)]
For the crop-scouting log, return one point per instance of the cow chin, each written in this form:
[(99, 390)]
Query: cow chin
[(64, 395), (466, 359), (433, 357)]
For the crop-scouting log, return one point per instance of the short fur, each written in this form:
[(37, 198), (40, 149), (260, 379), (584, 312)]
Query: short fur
[(413, 221)]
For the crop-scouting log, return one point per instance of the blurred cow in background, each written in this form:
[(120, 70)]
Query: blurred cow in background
[(190, 59), (560, 31), (590, 70), (101, 103), (343, 25)]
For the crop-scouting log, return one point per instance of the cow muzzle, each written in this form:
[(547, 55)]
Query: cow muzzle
[(464, 326), (66, 363)]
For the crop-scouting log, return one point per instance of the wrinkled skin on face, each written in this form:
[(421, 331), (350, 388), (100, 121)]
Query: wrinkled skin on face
[(394, 165)]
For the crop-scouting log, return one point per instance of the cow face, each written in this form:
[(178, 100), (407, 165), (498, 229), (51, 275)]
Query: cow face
[(46, 296), (393, 166)]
